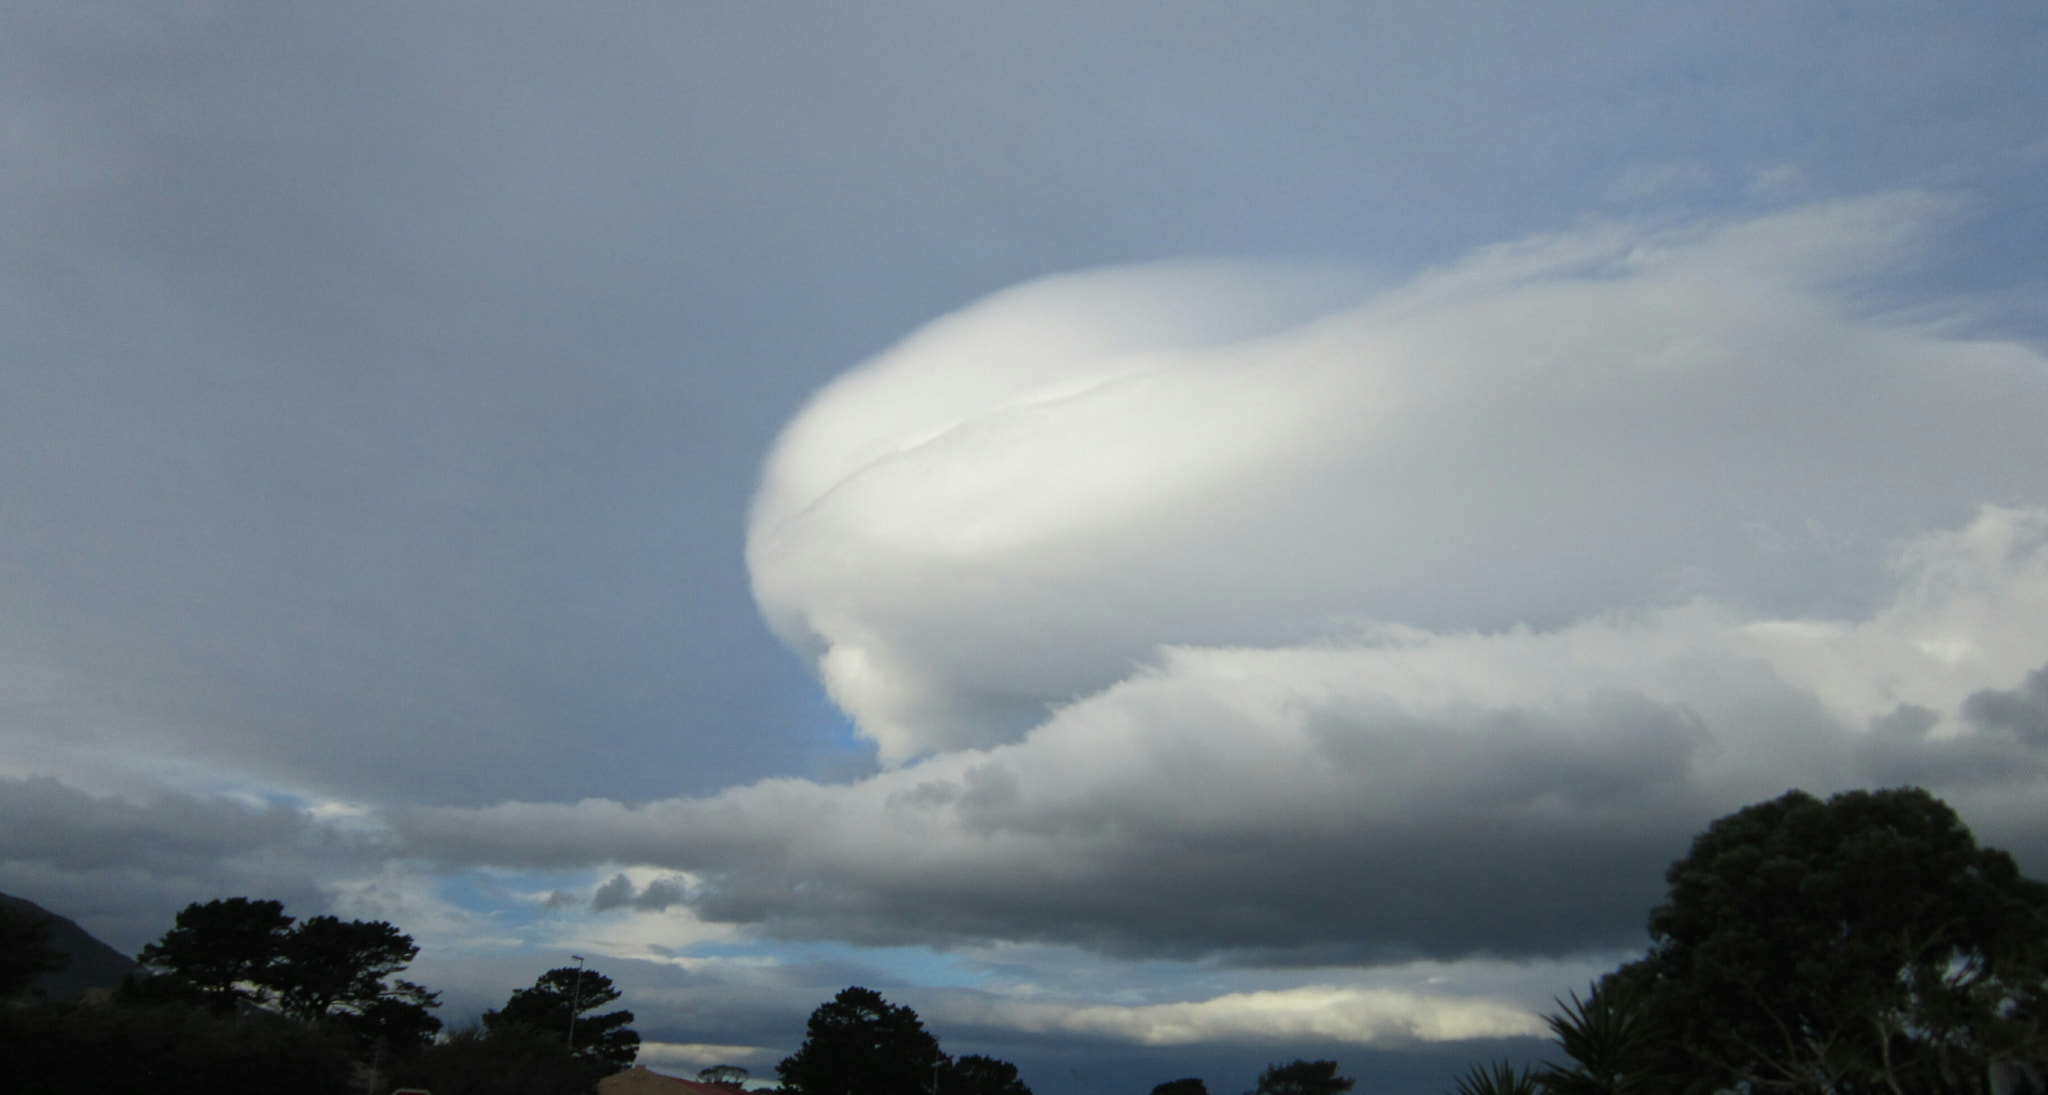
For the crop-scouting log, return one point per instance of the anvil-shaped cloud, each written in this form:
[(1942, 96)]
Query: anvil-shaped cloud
[(1192, 613)]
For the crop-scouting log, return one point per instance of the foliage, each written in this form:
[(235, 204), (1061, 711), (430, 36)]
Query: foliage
[(1302, 1078), (559, 1002), (1498, 1078), (327, 963), (724, 1076), (974, 1074), (860, 1044), (1190, 1085), (1612, 1041), (166, 1049), (225, 950), (511, 1060), (25, 952), (1861, 944), (322, 969)]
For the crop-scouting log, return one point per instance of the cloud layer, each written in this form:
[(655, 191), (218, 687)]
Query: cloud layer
[(1024, 501), (1431, 626)]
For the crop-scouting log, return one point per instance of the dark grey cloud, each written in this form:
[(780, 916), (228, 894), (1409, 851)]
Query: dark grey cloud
[(2020, 712), (619, 892), (121, 868)]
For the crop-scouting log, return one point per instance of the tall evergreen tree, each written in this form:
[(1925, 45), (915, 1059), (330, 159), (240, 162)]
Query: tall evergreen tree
[(546, 1010), (860, 1044)]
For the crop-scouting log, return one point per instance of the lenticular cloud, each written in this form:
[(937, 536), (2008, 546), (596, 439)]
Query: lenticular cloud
[(1193, 614), (1023, 503)]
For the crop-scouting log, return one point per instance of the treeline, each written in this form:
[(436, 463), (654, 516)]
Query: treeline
[(237, 996), (1865, 944)]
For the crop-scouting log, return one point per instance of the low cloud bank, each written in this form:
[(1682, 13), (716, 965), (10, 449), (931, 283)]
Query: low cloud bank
[(1404, 793), (1319, 1013)]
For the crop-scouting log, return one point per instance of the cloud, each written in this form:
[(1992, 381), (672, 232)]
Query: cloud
[(1025, 500), (1433, 626), (120, 867), (1316, 1013)]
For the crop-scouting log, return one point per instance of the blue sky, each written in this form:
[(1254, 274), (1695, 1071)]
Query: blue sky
[(1166, 536)]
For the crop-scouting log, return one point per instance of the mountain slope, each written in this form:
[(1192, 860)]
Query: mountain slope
[(90, 963)]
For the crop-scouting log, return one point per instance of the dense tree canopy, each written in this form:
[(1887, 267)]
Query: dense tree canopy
[(1190, 1085), (1303, 1078), (562, 999), (860, 1044), (974, 1074), (1864, 943), (514, 1060), (322, 969), (227, 949), (1856, 946)]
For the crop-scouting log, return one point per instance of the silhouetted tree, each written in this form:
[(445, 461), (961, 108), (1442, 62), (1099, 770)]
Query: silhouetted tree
[(1861, 944), (1499, 1078), (724, 1076), (545, 1009), (322, 970), (860, 1044), (512, 1060), (226, 950), (1303, 1078), (974, 1074), (1613, 1042), (166, 1049), (1188, 1086)]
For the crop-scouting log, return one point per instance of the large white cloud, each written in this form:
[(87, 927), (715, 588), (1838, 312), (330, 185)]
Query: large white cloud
[(1025, 500), (1434, 626)]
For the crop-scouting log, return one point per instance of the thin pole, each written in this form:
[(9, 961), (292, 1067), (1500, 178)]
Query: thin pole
[(575, 1000)]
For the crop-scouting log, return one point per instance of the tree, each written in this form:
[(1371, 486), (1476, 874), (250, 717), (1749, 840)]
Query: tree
[(732, 1076), (320, 970), (1612, 1041), (1187, 1086), (974, 1074), (1499, 1078), (512, 1060), (326, 963), (226, 950), (1862, 944), (860, 1044), (25, 952), (561, 996), (1302, 1078)]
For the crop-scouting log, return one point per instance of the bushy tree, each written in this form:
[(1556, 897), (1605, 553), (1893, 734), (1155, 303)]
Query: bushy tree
[(166, 1049), (320, 970), (974, 1074), (514, 1060), (860, 1044), (1861, 944), (1303, 1078), (565, 995), (227, 950), (1189, 1085), (732, 1076)]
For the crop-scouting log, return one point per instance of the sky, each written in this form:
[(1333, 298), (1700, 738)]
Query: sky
[(1167, 537)]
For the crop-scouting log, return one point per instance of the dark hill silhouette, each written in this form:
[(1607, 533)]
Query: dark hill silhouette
[(90, 964)]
